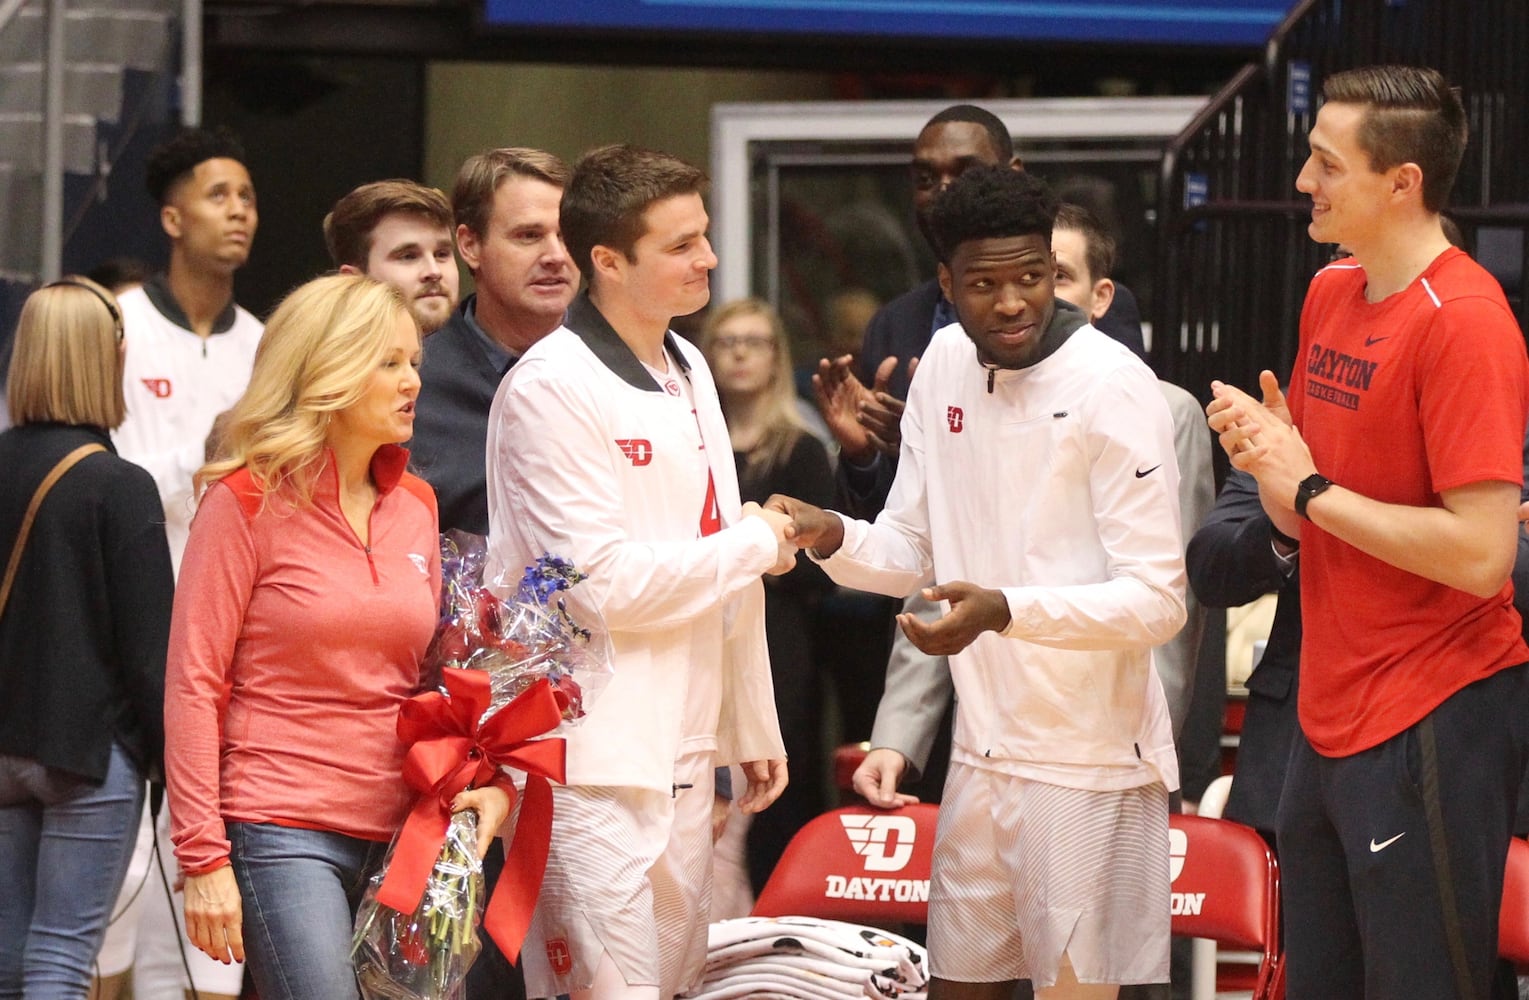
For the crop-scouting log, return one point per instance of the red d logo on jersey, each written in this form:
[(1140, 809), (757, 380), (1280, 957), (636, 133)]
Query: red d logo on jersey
[(956, 418), (160, 387), (559, 957), (639, 450)]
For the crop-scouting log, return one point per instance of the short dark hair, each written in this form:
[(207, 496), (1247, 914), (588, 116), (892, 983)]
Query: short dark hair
[(997, 131), (478, 180), (611, 188), (348, 228), (1099, 245), (987, 202), (119, 273), (1412, 115), (173, 160)]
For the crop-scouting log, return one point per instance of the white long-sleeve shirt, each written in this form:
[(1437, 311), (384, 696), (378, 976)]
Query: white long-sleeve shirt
[(1059, 487)]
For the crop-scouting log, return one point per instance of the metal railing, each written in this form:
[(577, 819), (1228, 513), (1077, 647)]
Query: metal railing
[(53, 232), (50, 266), (8, 10), (1234, 258)]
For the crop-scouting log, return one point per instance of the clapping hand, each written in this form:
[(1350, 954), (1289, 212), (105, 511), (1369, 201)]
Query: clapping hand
[(863, 421)]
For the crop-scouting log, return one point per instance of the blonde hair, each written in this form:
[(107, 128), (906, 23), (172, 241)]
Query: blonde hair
[(319, 350), (783, 425), (67, 365)]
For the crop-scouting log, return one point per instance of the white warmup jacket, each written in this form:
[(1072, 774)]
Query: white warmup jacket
[(1058, 486), (587, 461), (176, 384)]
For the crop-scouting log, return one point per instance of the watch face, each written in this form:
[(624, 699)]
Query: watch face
[(1309, 487)]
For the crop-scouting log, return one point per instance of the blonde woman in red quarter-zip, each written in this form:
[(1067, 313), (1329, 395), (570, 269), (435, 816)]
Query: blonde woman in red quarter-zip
[(305, 602)]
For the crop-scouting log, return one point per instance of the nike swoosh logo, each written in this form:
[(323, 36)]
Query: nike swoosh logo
[(1377, 848), (1141, 473), (1372, 341)]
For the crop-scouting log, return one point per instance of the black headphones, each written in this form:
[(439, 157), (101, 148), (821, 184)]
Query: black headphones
[(111, 307)]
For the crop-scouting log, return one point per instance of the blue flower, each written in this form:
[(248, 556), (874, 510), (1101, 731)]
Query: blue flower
[(545, 578)]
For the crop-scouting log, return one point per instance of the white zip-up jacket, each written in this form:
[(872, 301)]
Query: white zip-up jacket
[(586, 460), (176, 384), (1056, 484)]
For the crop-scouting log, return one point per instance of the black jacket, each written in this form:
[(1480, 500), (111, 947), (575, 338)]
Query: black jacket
[(899, 329), (458, 379), (83, 639), (1231, 561)]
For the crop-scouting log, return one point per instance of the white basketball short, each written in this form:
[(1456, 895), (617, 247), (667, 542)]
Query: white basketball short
[(629, 874), (1024, 871)]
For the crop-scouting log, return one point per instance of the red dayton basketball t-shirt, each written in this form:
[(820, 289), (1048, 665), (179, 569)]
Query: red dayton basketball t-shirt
[(1399, 401)]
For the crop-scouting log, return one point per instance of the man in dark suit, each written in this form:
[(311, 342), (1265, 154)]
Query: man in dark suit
[(865, 424), (1521, 602), (865, 421), (506, 207), (1237, 557)]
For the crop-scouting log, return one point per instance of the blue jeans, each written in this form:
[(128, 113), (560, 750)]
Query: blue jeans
[(300, 890), (64, 847)]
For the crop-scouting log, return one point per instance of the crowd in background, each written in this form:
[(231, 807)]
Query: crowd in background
[(286, 483)]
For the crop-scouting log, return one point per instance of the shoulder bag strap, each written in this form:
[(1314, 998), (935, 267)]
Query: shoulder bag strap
[(64, 465)]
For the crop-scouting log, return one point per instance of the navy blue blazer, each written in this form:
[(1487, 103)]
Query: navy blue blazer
[(458, 379), (1230, 562)]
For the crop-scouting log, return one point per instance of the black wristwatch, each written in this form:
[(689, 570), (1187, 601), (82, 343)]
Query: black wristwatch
[(1312, 486)]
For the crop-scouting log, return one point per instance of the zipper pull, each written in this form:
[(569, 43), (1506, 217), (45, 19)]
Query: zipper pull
[(992, 373)]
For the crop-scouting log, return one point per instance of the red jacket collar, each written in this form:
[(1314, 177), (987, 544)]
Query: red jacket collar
[(388, 466)]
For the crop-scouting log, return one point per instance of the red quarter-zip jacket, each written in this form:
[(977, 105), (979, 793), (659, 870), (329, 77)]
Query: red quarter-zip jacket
[(292, 646)]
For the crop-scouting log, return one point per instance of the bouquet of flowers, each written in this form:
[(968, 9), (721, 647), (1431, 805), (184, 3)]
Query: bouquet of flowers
[(425, 953), (530, 637), (511, 672)]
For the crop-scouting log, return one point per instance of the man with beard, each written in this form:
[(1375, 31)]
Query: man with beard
[(399, 232)]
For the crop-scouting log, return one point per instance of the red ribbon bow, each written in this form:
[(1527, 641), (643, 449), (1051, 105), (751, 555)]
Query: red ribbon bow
[(448, 752)]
